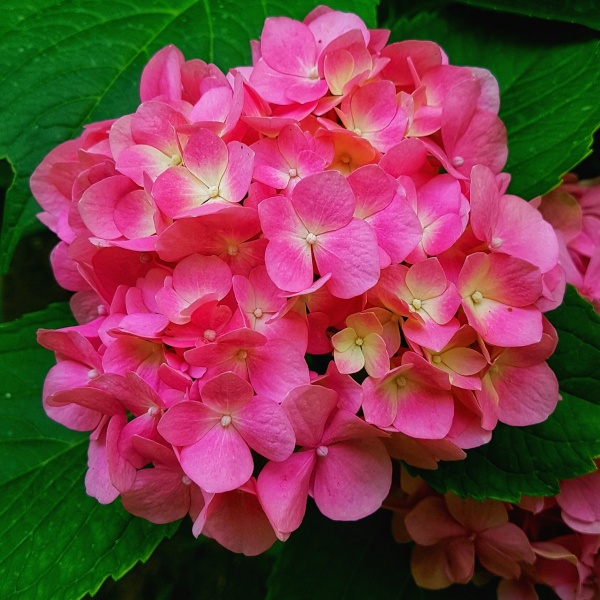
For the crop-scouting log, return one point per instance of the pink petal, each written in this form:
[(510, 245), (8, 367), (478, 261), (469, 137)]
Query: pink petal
[(353, 479), (288, 46), (319, 217), (177, 190), (227, 393), (308, 407), (98, 203), (276, 368), (238, 174), (200, 276), (430, 522), (398, 229), (508, 280), (344, 426), (476, 516), (350, 255), (265, 428), (158, 495), (219, 462), (97, 478), (237, 521), (500, 550), (527, 395), (374, 106), (136, 160), (283, 489), (377, 361), (187, 422), (206, 156), (289, 263), (162, 75), (372, 188)]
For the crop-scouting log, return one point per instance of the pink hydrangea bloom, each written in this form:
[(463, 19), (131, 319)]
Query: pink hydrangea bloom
[(247, 246)]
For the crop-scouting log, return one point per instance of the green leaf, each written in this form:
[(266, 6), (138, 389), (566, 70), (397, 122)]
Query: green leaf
[(359, 560), (583, 12), (64, 63), (532, 460), (57, 542), (549, 78)]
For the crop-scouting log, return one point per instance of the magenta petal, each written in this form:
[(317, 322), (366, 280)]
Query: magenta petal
[(238, 174), (425, 412), (97, 478), (177, 190), (318, 216), (283, 489), (219, 462), (158, 495), (122, 472), (288, 46), (398, 229), (276, 368), (227, 393), (187, 422), (98, 203), (350, 254), (162, 75), (198, 276), (501, 325), (526, 395), (308, 407), (134, 161), (237, 521), (289, 263), (206, 156), (265, 428), (353, 479)]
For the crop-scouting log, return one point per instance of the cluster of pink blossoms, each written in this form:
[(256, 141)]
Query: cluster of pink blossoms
[(339, 204), (573, 209), (549, 541)]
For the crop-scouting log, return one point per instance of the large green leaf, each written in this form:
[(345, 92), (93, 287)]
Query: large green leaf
[(549, 78), (583, 12), (326, 559), (531, 460), (57, 543), (64, 63)]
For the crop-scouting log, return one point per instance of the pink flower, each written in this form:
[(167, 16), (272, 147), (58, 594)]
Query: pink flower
[(214, 175), (216, 434), (414, 397), (305, 226), (236, 520), (361, 344), (342, 464), (450, 532), (372, 112), (498, 293), (424, 295)]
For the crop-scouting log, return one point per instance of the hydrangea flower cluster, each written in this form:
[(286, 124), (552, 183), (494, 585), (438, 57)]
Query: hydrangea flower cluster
[(548, 541), (290, 274), (573, 209)]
